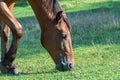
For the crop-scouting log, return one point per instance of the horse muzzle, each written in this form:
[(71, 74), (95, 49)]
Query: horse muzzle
[(64, 65)]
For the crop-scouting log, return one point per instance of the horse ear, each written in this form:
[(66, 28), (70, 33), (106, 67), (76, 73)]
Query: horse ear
[(58, 16)]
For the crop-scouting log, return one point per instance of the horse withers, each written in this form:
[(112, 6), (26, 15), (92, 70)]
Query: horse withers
[(55, 34)]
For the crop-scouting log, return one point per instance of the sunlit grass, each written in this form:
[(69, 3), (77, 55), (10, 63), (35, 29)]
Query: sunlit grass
[(23, 11), (91, 62), (96, 45), (70, 6), (76, 5)]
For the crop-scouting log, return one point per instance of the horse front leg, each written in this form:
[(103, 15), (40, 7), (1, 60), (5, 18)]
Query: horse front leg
[(5, 33), (6, 17)]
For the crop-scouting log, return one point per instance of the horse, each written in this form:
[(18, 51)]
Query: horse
[(55, 34)]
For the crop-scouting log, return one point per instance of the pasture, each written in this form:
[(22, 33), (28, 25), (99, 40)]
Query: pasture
[(95, 38)]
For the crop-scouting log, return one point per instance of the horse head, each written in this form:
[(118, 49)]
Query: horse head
[(57, 41)]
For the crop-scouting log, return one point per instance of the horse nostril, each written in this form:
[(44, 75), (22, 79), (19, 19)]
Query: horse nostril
[(70, 65)]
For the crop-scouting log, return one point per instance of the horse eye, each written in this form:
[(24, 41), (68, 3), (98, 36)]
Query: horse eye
[(64, 36)]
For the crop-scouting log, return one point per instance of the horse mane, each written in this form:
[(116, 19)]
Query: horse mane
[(56, 9)]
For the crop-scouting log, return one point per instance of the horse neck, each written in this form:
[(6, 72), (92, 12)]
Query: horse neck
[(45, 10)]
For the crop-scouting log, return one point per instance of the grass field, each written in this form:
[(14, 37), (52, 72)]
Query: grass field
[(95, 37)]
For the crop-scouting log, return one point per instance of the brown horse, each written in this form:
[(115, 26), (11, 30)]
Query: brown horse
[(55, 34)]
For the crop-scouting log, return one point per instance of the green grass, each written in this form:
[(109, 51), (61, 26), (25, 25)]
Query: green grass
[(75, 5), (96, 44)]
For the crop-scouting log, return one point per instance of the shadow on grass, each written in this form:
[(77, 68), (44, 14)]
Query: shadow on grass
[(31, 73), (21, 4), (95, 26), (35, 73)]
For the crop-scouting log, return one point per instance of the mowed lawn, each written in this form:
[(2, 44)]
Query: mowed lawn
[(95, 38)]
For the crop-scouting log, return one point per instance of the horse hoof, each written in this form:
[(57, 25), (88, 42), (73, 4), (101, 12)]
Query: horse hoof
[(13, 71)]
